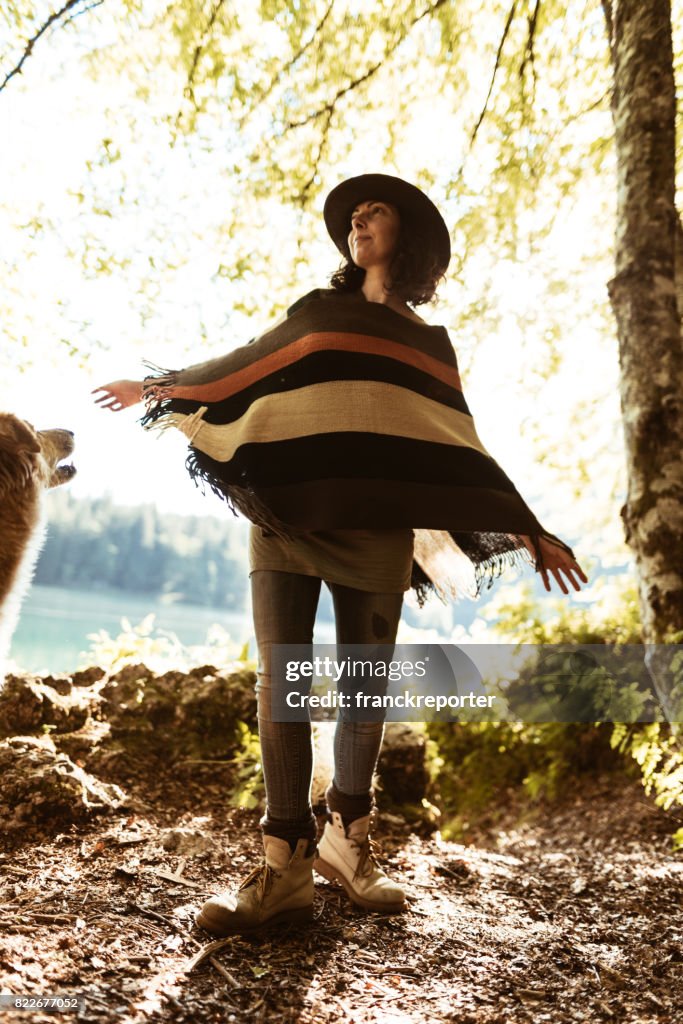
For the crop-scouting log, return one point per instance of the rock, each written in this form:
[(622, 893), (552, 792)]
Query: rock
[(201, 714), (21, 706), (131, 702), (28, 703), (209, 707), (185, 842), (402, 765), (194, 714), (80, 744), (40, 785), (61, 683), (88, 676)]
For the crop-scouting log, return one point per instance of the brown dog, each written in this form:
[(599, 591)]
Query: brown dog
[(29, 464)]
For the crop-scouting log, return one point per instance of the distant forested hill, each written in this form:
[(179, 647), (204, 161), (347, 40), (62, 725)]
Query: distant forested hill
[(203, 560), (92, 542)]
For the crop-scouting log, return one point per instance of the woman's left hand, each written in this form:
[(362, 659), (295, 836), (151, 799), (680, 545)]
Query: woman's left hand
[(556, 560), (119, 394)]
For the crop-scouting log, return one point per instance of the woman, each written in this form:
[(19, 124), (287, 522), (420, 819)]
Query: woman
[(380, 442)]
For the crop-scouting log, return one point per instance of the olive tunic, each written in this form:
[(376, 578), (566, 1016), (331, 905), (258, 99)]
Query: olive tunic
[(379, 561)]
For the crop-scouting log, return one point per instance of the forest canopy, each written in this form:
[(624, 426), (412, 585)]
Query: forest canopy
[(169, 164)]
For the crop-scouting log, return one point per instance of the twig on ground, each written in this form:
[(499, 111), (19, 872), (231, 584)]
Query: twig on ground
[(173, 925), (204, 952), (222, 971), (51, 918)]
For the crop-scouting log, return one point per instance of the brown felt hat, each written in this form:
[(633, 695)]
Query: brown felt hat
[(413, 205)]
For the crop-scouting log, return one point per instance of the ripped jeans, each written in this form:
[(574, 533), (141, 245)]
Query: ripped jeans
[(284, 608)]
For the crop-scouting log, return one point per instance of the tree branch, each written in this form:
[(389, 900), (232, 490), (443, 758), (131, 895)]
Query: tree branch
[(287, 67), (501, 44), (55, 17), (324, 138), (199, 50), (77, 14), (329, 107), (529, 56)]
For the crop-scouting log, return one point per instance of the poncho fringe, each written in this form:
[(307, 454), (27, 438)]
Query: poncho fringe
[(349, 415)]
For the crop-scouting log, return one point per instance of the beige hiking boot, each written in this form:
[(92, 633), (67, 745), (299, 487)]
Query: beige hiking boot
[(280, 891), (346, 855)]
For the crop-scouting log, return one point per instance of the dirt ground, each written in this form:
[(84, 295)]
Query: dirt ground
[(569, 913)]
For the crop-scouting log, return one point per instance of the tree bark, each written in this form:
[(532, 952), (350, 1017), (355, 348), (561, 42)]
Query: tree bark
[(644, 296)]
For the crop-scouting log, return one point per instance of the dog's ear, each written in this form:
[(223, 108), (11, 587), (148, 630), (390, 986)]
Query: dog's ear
[(16, 436)]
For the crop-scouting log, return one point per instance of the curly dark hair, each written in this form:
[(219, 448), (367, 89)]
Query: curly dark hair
[(415, 270)]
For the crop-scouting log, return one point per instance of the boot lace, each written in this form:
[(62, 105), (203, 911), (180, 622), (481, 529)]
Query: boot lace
[(263, 876), (369, 850)]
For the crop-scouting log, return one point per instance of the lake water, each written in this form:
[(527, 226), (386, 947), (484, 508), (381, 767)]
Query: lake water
[(52, 635)]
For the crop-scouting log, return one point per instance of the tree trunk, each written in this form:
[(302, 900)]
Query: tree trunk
[(643, 294)]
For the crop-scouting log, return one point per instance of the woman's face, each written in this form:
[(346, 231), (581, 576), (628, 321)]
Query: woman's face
[(374, 233)]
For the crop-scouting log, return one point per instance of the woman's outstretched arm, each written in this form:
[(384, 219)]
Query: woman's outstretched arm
[(119, 394), (557, 560)]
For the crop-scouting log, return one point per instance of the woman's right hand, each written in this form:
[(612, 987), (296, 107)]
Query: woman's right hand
[(119, 394)]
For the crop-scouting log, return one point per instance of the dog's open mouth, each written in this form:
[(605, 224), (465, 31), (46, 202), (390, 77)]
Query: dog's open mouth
[(57, 446), (65, 471)]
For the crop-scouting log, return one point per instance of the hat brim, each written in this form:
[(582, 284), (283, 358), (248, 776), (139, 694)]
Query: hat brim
[(413, 205)]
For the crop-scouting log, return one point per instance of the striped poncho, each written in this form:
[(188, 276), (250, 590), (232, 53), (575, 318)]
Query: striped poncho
[(349, 415)]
